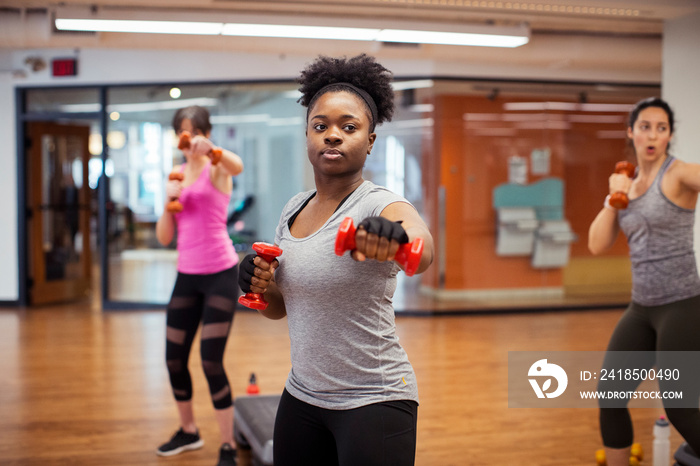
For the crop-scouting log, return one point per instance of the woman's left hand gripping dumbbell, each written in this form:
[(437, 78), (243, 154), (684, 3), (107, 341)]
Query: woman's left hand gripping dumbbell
[(200, 145), (380, 239)]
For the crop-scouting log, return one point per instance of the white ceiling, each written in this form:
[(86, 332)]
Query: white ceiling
[(620, 40), (591, 16)]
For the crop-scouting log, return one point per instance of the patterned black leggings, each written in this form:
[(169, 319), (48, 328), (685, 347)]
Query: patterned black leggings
[(210, 299), (668, 328)]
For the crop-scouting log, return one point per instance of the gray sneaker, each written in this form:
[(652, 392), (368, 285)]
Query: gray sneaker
[(181, 441)]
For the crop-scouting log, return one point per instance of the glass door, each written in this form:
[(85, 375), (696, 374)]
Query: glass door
[(58, 212)]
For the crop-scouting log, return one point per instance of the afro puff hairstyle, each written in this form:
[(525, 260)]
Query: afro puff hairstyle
[(361, 71)]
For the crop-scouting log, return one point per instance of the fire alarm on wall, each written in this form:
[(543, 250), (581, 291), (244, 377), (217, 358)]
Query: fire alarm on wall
[(64, 67)]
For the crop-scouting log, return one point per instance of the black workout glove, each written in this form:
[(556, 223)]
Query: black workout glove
[(384, 228), (246, 272)]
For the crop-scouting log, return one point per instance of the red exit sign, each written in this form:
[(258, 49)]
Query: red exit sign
[(64, 67)]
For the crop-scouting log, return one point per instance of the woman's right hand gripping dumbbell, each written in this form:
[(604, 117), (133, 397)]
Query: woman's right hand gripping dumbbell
[(255, 276), (173, 190), (619, 184)]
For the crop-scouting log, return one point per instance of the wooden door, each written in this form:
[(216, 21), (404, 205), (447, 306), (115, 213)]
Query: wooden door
[(58, 212)]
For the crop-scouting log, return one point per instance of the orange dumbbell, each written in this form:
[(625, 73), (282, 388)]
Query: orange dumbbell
[(175, 205), (184, 143), (636, 456), (619, 200)]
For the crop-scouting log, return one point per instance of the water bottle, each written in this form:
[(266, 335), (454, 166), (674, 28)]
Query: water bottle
[(253, 388), (662, 445)]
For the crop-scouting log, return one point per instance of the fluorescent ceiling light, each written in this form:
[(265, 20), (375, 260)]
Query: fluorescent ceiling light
[(299, 32), (612, 119), (140, 106), (260, 118), (291, 121), (380, 35), (566, 106), (607, 107), (162, 105), (415, 123), (481, 117), (238, 119), (297, 27), (79, 108), (295, 94), (422, 108), (416, 84), (145, 27), (574, 118), (542, 125), (451, 38), (529, 116), (531, 106)]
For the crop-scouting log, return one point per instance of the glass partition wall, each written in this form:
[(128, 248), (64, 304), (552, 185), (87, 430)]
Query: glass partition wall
[(517, 172), (262, 123), (451, 145)]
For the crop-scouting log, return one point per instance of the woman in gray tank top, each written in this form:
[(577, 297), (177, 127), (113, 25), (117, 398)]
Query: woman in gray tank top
[(351, 397), (664, 315)]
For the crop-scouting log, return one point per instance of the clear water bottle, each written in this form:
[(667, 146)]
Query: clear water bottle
[(662, 445)]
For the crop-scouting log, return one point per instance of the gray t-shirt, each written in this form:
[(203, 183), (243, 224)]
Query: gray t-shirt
[(660, 238), (344, 349)]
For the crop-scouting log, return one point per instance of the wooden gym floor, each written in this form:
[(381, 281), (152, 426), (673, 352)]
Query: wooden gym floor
[(81, 386)]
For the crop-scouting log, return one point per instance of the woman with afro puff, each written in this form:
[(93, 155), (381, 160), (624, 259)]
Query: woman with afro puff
[(351, 396)]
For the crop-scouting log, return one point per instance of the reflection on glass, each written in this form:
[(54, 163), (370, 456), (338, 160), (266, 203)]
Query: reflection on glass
[(63, 100), (60, 207), (449, 136), (545, 149), (262, 123)]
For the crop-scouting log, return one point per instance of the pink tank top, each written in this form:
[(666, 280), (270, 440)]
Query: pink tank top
[(203, 243)]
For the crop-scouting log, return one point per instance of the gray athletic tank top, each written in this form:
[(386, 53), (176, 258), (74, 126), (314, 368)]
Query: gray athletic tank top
[(344, 349), (660, 238)]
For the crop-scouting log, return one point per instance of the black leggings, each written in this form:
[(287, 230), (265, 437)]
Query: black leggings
[(377, 434), (210, 299), (670, 327)]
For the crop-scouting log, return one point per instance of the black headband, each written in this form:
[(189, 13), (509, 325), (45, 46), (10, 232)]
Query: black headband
[(360, 92)]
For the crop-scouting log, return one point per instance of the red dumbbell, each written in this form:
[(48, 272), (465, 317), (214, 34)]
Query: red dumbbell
[(619, 200), (256, 300), (184, 143), (175, 205), (408, 255)]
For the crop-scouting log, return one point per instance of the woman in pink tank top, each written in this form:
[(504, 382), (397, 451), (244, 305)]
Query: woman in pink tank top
[(205, 290)]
